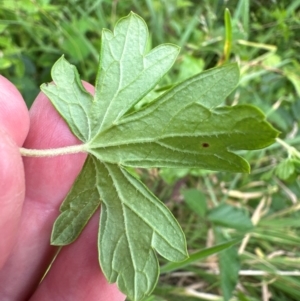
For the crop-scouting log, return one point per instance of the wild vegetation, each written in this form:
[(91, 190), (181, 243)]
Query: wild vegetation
[(257, 213)]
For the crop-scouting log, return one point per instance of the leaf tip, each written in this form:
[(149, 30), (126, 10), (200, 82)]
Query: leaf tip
[(132, 15), (185, 256), (54, 241), (247, 169), (55, 238)]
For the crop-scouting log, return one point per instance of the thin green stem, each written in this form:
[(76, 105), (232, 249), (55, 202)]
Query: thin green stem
[(290, 149), (74, 149), (211, 191), (228, 35)]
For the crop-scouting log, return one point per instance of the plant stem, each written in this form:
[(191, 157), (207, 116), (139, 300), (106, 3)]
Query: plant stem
[(74, 149), (290, 149)]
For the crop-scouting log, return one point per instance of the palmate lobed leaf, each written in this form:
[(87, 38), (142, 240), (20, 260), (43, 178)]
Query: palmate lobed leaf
[(78, 207), (126, 75), (70, 98), (195, 137), (183, 127), (135, 223), (129, 231)]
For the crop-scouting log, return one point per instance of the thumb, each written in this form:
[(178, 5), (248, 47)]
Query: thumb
[(14, 125), (12, 188)]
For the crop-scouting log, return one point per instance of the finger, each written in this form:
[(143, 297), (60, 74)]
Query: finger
[(14, 124), (12, 188), (75, 274), (47, 182), (14, 116)]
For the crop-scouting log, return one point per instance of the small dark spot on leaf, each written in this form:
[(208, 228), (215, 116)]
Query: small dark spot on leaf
[(205, 144)]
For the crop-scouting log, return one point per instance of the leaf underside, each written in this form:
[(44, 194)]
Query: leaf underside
[(143, 224), (183, 127)]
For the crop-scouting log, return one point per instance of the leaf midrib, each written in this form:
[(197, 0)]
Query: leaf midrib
[(123, 202), (155, 104), (149, 109), (140, 140)]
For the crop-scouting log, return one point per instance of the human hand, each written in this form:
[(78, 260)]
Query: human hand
[(31, 192)]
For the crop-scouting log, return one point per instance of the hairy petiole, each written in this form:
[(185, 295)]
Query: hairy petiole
[(67, 150)]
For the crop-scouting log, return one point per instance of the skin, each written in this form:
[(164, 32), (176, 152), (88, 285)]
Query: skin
[(31, 191)]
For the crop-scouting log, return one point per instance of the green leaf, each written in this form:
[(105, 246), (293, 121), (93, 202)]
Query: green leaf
[(195, 199), (181, 128), (228, 35), (293, 77), (285, 169), (197, 256), (231, 217), (79, 205), (126, 73), (229, 265), (70, 98), (133, 223)]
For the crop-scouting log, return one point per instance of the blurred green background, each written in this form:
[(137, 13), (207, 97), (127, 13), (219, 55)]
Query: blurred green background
[(213, 208)]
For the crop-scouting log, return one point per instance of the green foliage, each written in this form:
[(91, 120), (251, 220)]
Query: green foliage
[(231, 217), (182, 127), (195, 199), (199, 255), (228, 35), (229, 264), (285, 169), (265, 41)]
